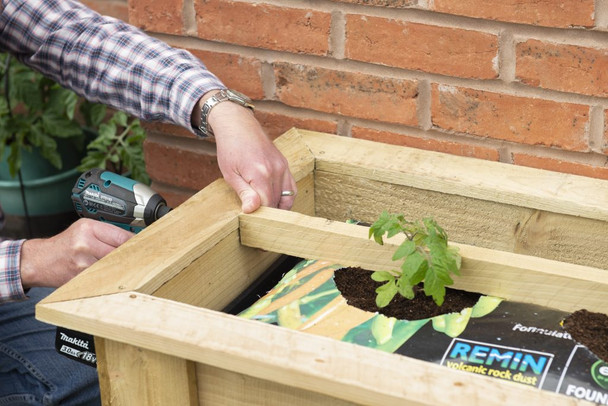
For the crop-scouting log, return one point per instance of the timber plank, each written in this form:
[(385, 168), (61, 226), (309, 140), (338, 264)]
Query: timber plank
[(507, 275), (467, 220), (450, 174), (176, 240), (218, 275), (162, 250), (180, 258), (222, 387), (135, 376), (296, 151), (306, 361)]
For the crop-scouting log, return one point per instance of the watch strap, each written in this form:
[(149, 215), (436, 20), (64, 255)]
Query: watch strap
[(210, 103)]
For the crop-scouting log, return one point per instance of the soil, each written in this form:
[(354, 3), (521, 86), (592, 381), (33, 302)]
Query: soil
[(589, 329), (359, 290)]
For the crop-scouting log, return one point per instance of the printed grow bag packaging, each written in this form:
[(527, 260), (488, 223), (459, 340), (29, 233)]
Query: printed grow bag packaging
[(516, 342)]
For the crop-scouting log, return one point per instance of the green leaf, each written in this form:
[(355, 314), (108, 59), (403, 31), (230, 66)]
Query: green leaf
[(24, 90), (93, 113), (120, 118), (411, 263), (405, 288), (382, 276), (59, 126), (385, 294), (405, 249), (37, 111), (107, 130), (14, 159)]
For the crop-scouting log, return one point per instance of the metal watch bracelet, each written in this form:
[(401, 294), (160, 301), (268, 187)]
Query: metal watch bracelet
[(210, 103)]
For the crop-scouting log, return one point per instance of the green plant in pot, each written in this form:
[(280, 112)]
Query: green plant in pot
[(48, 136)]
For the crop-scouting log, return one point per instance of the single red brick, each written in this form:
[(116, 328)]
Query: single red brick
[(562, 67), (157, 16), (564, 13), (347, 93), (517, 119), (112, 8), (262, 25), (275, 124), (237, 72), (558, 165), (173, 165), (422, 47), (448, 147)]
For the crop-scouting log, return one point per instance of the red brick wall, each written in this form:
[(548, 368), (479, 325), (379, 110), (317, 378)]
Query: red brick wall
[(524, 83)]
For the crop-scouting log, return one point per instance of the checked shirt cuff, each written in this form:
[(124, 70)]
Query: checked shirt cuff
[(11, 288)]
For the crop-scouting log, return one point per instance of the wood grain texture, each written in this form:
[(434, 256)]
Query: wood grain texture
[(222, 387), (305, 361), (463, 176), (296, 151), (507, 275), (467, 220), (182, 256), (159, 252), (219, 274), (135, 376)]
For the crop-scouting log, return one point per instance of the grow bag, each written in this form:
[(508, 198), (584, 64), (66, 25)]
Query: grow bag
[(512, 341)]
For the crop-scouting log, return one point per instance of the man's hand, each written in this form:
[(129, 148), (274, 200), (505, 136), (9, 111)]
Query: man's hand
[(54, 261), (248, 159)]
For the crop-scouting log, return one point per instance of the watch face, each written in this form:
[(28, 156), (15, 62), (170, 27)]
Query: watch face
[(240, 98), (238, 95)]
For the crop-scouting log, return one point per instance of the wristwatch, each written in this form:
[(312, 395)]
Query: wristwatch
[(221, 96)]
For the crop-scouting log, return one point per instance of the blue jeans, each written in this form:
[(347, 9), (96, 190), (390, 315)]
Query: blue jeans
[(32, 372)]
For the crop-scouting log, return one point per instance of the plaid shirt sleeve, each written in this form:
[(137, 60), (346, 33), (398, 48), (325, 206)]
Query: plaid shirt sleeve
[(10, 277), (104, 59)]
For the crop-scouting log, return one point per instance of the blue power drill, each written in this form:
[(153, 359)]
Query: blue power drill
[(106, 196)]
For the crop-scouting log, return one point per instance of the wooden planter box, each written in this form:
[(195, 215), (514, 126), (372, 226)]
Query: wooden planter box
[(154, 303)]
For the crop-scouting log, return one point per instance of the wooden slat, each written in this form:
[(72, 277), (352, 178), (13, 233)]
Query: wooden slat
[(476, 178), (135, 376), (511, 276), (226, 269), (161, 251), (319, 364), (300, 158), (219, 275), (219, 386), (467, 220)]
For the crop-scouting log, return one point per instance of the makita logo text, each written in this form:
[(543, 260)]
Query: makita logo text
[(76, 341)]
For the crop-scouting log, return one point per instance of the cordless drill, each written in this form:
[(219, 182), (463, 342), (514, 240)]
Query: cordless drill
[(112, 198), (106, 196)]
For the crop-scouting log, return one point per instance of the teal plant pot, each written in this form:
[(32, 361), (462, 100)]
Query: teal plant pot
[(44, 196), (47, 189)]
